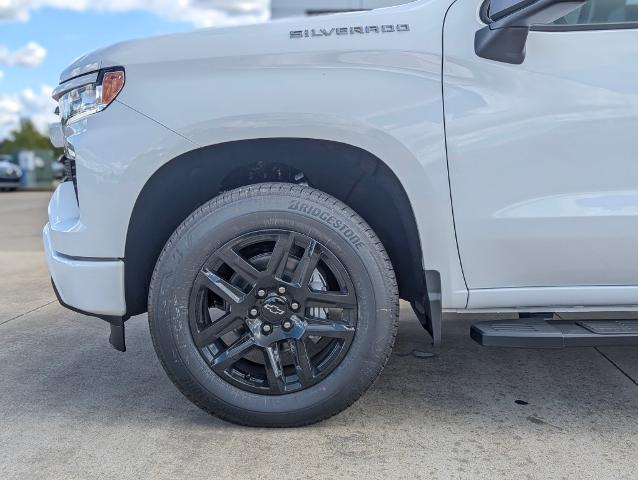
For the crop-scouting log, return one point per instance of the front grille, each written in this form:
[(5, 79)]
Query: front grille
[(69, 172)]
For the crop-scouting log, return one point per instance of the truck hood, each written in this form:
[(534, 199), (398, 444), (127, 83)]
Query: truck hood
[(246, 40), (179, 46)]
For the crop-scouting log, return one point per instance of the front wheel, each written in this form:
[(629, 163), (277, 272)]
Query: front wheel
[(273, 305)]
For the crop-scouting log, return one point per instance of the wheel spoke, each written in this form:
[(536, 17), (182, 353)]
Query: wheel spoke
[(331, 300), (326, 328), (219, 328), (280, 254), (274, 369), (233, 353), (301, 359), (306, 265), (259, 271), (221, 287), (240, 265)]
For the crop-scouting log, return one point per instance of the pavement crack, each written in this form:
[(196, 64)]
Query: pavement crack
[(27, 313), (618, 367)]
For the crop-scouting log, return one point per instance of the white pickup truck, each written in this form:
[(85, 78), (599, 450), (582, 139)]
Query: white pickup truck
[(268, 193)]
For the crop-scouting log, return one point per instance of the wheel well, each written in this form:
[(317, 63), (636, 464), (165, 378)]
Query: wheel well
[(354, 176)]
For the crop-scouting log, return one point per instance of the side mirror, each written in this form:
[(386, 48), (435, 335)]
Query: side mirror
[(509, 22)]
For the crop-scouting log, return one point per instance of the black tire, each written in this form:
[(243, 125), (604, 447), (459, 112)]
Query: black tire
[(343, 238)]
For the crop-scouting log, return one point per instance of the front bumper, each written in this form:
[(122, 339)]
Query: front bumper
[(9, 182), (115, 154), (92, 285)]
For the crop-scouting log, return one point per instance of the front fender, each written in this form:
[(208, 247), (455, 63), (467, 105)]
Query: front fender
[(381, 93)]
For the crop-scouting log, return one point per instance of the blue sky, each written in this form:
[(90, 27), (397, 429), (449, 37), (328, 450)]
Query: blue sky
[(39, 38), (67, 34)]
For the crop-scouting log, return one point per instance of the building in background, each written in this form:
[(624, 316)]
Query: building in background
[(290, 8)]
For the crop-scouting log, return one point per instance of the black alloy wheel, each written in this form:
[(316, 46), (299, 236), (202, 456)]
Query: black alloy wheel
[(260, 321)]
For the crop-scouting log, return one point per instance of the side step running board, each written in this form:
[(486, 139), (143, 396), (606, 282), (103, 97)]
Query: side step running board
[(539, 333)]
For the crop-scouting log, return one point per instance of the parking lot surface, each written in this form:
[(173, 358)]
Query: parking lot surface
[(72, 407)]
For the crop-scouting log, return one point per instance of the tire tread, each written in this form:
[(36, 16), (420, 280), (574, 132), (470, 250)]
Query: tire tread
[(194, 391)]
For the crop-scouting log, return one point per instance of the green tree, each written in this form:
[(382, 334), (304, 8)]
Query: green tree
[(25, 137)]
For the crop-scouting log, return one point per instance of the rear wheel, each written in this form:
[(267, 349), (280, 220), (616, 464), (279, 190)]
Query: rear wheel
[(273, 305)]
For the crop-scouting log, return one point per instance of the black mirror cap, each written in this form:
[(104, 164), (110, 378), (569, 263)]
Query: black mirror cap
[(504, 40), (502, 45)]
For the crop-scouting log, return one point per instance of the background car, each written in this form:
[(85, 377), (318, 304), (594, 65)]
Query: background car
[(10, 174)]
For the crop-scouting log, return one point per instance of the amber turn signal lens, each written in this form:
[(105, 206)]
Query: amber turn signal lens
[(112, 85)]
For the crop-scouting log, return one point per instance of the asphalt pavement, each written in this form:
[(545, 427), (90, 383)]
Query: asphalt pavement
[(71, 407)]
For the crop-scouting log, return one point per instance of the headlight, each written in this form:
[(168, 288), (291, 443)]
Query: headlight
[(79, 99), (10, 170)]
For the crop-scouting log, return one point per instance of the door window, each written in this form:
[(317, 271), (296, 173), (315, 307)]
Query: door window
[(600, 12)]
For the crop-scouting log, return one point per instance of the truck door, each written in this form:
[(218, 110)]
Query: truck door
[(543, 158)]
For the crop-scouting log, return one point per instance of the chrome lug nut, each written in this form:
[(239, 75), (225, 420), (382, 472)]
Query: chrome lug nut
[(266, 328), (287, 325), (281, 290), (261, 293), (253, 312), (294, 306)]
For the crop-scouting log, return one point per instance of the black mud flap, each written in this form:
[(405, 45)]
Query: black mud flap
[(429, 311), (117, 338)]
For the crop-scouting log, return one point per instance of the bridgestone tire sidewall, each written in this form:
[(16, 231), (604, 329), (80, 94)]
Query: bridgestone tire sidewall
[(297, 209)]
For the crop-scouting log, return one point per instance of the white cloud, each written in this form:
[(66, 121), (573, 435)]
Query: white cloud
[(31, 55), (1, 74), (38, 106), (201, 13)]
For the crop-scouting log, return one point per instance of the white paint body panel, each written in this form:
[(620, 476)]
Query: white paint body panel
[(92, 285), (542, 166), (117, 151), (523, 221)]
